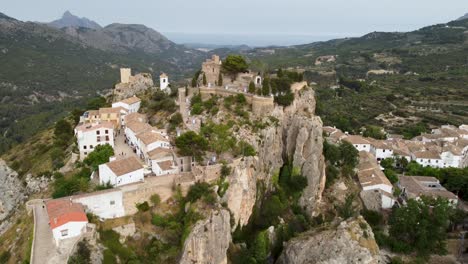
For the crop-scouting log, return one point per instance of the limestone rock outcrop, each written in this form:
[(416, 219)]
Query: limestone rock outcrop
[(12, 191), (209, 240), (241, 194), (137, 84), (298, 136), (351, 242)]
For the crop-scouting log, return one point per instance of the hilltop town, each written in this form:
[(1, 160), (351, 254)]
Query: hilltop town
[(192, 174)]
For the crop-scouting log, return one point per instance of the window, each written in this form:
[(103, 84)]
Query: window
[(64, 232), (384, 150), (107, 138), (107, 131), (86, 153), (84, 147), (98, 132), (91, 146), (98, 139), (112, 202)]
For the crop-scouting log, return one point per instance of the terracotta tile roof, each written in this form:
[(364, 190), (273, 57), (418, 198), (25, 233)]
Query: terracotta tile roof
[(159, 153), (354, 139), (135, 117), (124, 166), (138, 127), (63, 211), (131, 100), (165, 165), (427, 154), (415, 187), (111, 110), (379, 144), (452, 149), (148, 137), (163, 75), (369, 173), (93, 126)]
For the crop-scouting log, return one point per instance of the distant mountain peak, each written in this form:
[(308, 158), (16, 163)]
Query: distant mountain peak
[(70, 20)]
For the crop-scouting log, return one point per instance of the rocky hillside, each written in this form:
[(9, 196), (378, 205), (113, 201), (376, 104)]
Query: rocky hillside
[(47, 71), (70, 20)]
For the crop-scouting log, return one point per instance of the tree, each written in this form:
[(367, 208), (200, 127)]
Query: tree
[(191, 144), (96, 103), (260, 247), (251, 87), (420, 226), (279, 73), (155, 199), (99, 155), (63, 133), (374, 132), (349, 154), (234, 64), (266, 87), (175, 120), (205, 82), (220, 79)]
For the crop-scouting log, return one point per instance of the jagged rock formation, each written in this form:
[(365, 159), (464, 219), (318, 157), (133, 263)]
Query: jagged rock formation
[(241, 194), (12, 193), (137, 84), (69, 20), (209, 240), (352, 242), (298, 137)]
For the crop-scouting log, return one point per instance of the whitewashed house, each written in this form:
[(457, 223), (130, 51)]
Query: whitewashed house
[(131, 104), (359, 142), (452, 156), (414, 187), (163, 81), (66, 219), (381, 149), (149, 140), (90, 135), (121, 172), (428, 158), (106, 204), (132, 129), (162, 162), (377, 191)]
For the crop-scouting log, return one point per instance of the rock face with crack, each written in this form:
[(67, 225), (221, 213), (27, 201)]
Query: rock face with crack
[(12, 191), (209, 240), (351, 242)]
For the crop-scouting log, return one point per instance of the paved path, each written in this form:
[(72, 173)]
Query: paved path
[(121, 147), (44, 245)]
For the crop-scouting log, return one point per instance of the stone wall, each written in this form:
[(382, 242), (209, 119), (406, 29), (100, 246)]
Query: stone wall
[(260, 105), (211, 68)]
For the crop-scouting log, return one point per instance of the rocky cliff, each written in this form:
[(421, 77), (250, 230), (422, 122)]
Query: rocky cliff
[(12, 193), (209, 240), (352, 242), (138, 83)]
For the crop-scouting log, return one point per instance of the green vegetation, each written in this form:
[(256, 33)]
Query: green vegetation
[(282, 202), (234, 64), (340, 158), (374, 132), (82, 254), (220, 79), (155, 199), (98, 156), (191, 144), (175, 121), (252, 88), (66, 186), (63, 135), (161, 101)]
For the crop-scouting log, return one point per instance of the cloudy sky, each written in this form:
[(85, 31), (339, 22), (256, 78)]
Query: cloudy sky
[(250, 17)]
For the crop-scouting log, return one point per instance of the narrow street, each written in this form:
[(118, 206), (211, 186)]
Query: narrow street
[(44, 246)]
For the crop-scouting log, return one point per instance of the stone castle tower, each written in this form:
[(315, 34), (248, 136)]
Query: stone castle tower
[(125, 74), (212, 68), (163, 81)]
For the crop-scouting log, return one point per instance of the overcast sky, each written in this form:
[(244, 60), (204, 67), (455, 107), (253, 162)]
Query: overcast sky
[(295, 17)]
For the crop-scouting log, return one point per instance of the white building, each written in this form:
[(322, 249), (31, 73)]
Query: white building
[(131, 104), (149, 140), (162, 162), (121, 172), (374, 182), (66, 219), (90, 135), (428, 158), (381, 150), (360, 143), (106, 204), (132, 129), (414, 187), (163, 81), (452, 156)]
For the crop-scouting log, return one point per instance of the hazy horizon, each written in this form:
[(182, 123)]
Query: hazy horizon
[(254, 23)]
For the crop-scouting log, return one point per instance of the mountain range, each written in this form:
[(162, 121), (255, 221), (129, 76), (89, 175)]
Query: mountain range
[(70, 20)]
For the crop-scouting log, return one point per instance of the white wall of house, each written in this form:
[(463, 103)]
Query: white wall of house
[(88, 140), (387, 202), (106, 175), (106, 204), (159, 172), (68, 230), (382, 154), (143, 149), (435, 163), (363, 147), (131, 137), (451, 160), (163, 82), (383, 187), (131, 108)]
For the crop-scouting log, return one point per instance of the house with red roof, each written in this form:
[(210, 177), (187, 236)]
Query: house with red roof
[(66, 218)]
